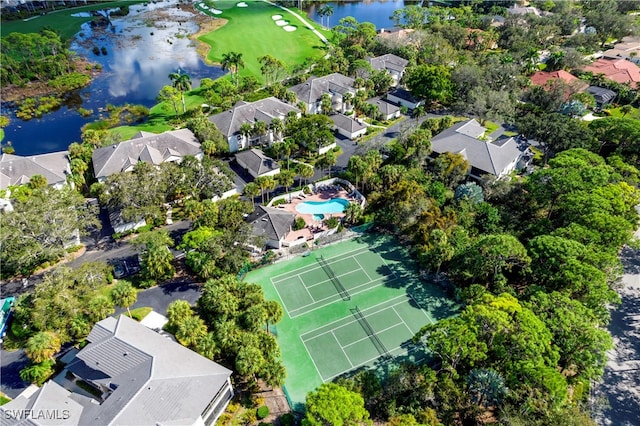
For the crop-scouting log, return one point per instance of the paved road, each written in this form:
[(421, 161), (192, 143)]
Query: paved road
[(10, 365), (616, 399), (160, 297)]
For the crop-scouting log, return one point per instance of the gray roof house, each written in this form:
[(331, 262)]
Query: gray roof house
[(265, 110), (601, 95), (403, 97), (336, 85), (256, 163), (497, 158), (144, 146), (142, 377), (347, 126), (18, 170), (394, 65), (387, 110), (272, 224)]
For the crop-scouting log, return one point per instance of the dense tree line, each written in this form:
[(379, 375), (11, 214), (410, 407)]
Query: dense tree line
[(39, 56), (44, 223), (231, 324)]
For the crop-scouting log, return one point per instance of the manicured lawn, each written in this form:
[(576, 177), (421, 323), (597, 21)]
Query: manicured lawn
[(138, 314), (61, 21), (252, 32), (615, 112)]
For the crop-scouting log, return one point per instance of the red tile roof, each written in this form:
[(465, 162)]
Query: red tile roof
[(541, 78), (618, 70)]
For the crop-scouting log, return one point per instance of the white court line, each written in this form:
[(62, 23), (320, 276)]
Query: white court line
[(364, 270), (275, 287), (376, 332), (351, 293), (403, 322), (342, 348), (311, 358), (350, 322), (392, 274), (424, 311), (307, 269)]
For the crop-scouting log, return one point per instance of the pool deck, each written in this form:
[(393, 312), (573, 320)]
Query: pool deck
[(314, 226)]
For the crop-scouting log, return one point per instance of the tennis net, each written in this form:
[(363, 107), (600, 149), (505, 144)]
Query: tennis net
[(382, 349), (336, 282)]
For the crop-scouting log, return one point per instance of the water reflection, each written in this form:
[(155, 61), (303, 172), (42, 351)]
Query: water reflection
[(137, 64), (378, 12)]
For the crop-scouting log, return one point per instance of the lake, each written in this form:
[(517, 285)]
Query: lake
[(143, 48), (378, 12)]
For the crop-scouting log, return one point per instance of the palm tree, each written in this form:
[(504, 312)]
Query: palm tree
[(626, 109), (245, 130), (269, 185), (305, 171), (124, 295), (182, 82), (285, 178), (276, 126), (328, 11), (232, 61), (486, 387), (252, 190), (190, 331), (352, 213), (289, 147), (261, 181), (42, 346), (259, 130)]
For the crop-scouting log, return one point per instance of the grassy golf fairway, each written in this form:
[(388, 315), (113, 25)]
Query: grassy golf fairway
[(60, 19), (252, 31)]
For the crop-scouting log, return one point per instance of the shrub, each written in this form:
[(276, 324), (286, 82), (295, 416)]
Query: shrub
[(262, 412), (248, 417), (279, 201), (306, 190), (299, 224), (287, 419), (332, 222)]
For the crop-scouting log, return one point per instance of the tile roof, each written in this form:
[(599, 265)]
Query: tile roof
[(256, 162), (271, 223), (540, 78), (346, 123), (489, 157), (618, 70), (385, 108), (229, 122), (312, 90), (388, 62), (18, 170), (148, 147)]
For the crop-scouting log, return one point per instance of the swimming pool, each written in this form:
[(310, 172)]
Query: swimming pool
[(334, 205)]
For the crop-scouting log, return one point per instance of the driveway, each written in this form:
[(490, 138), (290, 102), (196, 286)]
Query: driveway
[(10, 365), (160, 297)]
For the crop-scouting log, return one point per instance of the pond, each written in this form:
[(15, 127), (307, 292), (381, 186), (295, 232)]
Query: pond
[(378, 12), (143, 48)]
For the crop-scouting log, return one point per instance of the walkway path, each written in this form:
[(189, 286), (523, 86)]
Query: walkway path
[(304, 21)]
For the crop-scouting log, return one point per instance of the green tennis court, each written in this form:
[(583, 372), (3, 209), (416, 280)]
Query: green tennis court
[(352, 305), (332, 279)]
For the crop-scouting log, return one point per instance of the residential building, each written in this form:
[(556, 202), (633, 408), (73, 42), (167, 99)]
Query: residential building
[(144, 146), (388, 111), (403, 97), (265, 110), (394, 35), (394, 65), (272, 225), (548, 80), (601, 95), (348, 127), (335, 85), (618, 70), (498, 158), (628, 48), (257, 164), (137, 376), (18, 170)]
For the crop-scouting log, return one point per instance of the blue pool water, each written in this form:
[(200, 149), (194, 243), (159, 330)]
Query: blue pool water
[(318, 216), (334, 205)]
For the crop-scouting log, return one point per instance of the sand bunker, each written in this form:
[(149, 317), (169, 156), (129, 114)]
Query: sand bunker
[(276, 17), (242, 4), (289, 28), (281, 23), (203, 6), (216, 11)]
